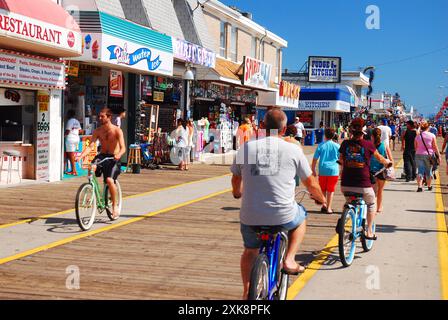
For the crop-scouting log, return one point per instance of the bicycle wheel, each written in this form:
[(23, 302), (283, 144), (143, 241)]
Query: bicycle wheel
[(108, 201), (259, 279), (282, 278), (367, 245), (346, 232), (85, 206)]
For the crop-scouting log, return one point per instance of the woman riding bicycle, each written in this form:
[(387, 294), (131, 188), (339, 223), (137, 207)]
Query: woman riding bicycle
[(355, 156)]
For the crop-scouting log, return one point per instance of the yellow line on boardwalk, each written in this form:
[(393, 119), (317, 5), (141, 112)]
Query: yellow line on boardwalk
[(128, 197), (318, 262), (114, 226), (442, 236), (311, 270)]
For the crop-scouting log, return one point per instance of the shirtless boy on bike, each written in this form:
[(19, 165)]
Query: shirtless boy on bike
[(112, 146)]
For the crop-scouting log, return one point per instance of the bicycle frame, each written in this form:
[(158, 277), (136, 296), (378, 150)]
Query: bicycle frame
[(100, 201), (271, 247), (358, 206)]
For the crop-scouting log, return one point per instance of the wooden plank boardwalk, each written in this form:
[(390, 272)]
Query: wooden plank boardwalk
[(29, 201), (189, 253)]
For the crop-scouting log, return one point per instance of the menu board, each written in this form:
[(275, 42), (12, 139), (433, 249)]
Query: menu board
[(43, 135), (31, 71)]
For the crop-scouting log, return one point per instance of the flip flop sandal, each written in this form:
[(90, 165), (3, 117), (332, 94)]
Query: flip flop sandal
[(374, 238)]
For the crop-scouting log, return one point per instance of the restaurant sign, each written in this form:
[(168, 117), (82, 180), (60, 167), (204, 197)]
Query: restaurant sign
[(256, 73), (324, 69), (193, 53), (289, 90), (28, 29)]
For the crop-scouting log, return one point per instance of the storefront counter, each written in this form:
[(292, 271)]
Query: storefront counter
[(27, 154)]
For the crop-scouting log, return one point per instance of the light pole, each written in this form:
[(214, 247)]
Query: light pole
[(187, 77)]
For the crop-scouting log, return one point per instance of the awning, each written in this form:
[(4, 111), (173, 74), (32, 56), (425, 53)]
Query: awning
[(324, 99), (224, 71), (39, 27), (121, 44)]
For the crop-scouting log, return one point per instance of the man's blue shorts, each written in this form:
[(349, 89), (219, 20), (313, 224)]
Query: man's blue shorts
[(250, 238)]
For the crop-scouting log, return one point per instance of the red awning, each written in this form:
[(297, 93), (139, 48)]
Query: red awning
[(39, 26)]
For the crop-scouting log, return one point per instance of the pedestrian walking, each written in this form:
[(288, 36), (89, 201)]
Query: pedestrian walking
[(180, 136), (72, 128), (408, 149), (190, 144), (327, 154), (386, 132), (393, 129), (375, 166), (427, 153), (301, 133)]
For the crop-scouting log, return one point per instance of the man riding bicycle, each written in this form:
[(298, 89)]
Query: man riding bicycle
[(267, 168), (112, 146), (355, 156)]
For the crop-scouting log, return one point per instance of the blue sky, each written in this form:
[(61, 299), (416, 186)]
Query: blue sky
[(337, 28)]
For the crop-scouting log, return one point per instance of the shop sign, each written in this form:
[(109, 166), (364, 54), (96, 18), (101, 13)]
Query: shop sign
[(159, 96), (122, 52), (256, 73), (29, 70), (43, 135), (25, 28), (73, 69), (289, 90), (193, 53), (86, 141), (12, 95), (116, 84), (330, 105), (324, 69)]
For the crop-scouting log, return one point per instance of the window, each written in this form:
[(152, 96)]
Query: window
[(262, 51), (253, 48), (233, 43), (223, 40)]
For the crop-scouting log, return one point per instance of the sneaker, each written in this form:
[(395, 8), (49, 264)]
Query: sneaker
[(430, 188), (420, 190)]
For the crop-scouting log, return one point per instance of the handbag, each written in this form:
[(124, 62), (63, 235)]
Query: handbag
[(433, 158), (389, 173)]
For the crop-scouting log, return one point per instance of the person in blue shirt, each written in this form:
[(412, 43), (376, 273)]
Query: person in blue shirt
[(327, 154), (393, 129)]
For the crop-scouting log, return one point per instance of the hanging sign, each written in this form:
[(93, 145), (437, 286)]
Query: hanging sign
[(256, 73), (116, 83)]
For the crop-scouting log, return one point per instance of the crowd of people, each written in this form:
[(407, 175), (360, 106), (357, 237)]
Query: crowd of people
[(360, 156)]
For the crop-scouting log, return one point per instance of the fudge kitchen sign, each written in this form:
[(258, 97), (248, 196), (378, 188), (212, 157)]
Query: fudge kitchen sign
[(21, 27), (256, 73)]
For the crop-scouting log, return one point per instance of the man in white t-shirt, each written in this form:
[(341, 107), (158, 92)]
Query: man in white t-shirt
[(72, 129), (386, 132), (300, 130)]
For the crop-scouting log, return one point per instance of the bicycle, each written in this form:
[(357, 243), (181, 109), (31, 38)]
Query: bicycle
[(90, 199), (352, 226), (267, 280)]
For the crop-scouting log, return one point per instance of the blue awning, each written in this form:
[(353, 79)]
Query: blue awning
[(325, 94)]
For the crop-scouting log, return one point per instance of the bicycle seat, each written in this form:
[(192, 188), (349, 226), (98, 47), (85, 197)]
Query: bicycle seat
[(268, 229), (353, 194)]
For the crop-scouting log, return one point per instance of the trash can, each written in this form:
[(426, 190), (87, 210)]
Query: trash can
[(310, 138), (319, 136)]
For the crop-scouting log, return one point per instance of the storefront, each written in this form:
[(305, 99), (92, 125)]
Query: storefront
[(34, 35), (328, 105), (219, 100), (124, 66)]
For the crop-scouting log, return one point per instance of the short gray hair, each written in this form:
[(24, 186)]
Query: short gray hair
[(275, 119)]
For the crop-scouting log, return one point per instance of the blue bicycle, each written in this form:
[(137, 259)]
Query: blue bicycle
[(267, 281)]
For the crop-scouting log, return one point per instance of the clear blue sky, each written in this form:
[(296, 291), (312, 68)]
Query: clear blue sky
[(337, 28)]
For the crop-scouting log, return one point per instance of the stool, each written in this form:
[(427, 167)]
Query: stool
[(10, 154), (134, 156)]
